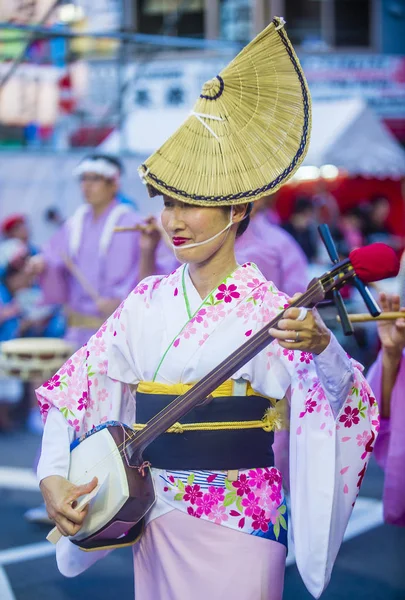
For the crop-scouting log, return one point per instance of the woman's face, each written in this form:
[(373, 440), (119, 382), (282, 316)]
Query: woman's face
[(188, 224)]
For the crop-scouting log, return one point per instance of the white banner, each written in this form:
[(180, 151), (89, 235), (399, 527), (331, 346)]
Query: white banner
[(24, 11), (378, 79), (31, 95)]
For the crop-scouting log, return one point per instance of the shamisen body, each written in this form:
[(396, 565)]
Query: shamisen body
[(219, 531)]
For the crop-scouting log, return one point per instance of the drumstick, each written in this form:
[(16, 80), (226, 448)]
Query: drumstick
[(54, 535), (366, 317), (144, 228), (148, 226), (77, 274), (133, 228)]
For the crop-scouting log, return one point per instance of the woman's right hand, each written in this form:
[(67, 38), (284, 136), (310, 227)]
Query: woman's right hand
[(150, 237), (391, 333), (60, 497)]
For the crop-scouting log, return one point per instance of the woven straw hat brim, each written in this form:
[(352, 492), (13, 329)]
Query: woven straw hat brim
[(247, 134)]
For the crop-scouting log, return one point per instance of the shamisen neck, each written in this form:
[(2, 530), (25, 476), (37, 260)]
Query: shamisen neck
[(228, 367)]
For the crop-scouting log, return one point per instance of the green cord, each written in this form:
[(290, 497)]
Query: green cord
[(189, 314)]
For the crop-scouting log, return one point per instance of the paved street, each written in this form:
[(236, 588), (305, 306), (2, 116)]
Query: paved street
[(370, 565)]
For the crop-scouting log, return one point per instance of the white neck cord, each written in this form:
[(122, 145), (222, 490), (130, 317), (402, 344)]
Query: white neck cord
[(214, 237)]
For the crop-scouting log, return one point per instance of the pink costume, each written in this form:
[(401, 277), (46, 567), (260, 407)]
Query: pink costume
[(390, 445), (275, 252), (282, 261), (109, 261), (186, 337)]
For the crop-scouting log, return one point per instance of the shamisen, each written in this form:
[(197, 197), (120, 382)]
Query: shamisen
[(187, 358)]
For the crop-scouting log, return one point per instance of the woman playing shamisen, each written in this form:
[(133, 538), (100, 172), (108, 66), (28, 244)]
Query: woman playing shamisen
[(219, 527)]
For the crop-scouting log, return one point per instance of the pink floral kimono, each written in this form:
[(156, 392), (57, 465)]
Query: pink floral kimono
[(164, 332), (390, 446)]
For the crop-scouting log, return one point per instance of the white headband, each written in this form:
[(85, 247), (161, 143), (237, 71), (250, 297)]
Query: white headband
[(100, 166)]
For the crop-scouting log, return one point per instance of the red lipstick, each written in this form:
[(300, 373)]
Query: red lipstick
[(179, 241)]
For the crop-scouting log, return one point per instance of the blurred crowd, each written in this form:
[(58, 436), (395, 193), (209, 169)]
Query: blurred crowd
[(67, 288)]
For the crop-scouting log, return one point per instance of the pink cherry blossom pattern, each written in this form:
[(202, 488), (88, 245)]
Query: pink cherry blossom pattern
[(217, 494), (66, 400), (98, 347), (254, 283), (276, 494), (102, 367), (75, 424), (141, 288), (273, 514), (199, 318), (350, 416), (244, 310), (244, 274), (204, 339), (68, 368), (260, 521), (43, 409), (272, 476), (218, 514), (227, 293), (102, 329), (259, 294), (189, 330), (242, 485), (118, 311), (102, 395), (306, 357), (204, 504), (215, 312), (251, 504), (289, 354), (310, 405), (83, 402), (275, 300), (256, 478), (53, 382), (302, 376), (363, 438), (192, 492)]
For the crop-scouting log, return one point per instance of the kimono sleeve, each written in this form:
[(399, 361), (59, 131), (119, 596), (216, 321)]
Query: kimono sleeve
[(92, 386), (390, 444), (328, 455)]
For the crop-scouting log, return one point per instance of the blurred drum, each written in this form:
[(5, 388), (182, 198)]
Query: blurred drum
[(33, 358)]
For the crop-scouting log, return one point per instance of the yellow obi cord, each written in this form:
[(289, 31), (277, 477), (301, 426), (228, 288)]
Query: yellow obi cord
[(272, 420), (177, 389)]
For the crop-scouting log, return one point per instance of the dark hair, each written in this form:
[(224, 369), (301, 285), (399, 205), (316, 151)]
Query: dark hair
[(303, 204), (243, 225), (374, 200), (109, 158), (52, 213)]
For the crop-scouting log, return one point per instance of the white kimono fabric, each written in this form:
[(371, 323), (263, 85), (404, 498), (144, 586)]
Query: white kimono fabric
[(164, 332)]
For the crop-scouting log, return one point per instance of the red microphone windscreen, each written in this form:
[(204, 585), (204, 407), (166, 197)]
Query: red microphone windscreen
[(374, 262)]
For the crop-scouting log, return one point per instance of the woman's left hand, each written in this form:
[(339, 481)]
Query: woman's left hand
[(307, 335)]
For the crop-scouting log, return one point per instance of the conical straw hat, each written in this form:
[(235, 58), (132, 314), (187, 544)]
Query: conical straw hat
[(247, 134)]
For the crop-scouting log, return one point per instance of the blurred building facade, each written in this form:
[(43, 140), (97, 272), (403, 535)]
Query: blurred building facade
[(74, 91)]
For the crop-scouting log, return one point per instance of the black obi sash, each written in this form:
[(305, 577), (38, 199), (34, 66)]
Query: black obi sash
[(204, 449)]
